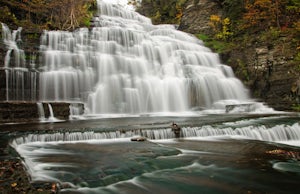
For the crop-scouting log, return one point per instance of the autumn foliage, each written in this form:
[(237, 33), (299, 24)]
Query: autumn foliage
[(221, 27), (45, 14), (270, 13)]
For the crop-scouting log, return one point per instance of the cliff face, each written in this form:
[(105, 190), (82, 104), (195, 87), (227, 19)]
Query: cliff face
[(266, 67), (269, 71), (196, 16)]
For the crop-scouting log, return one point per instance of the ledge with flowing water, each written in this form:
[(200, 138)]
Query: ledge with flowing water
[(16, 112), (277, 133)]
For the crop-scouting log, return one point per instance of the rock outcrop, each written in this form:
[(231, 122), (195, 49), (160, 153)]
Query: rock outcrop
[(196, 16), (11, 112), (269, 72), (266, 67)]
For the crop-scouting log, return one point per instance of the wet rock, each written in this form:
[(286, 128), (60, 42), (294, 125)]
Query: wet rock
[(28, 111), (195, 21), (287, 154), (14, 179), (176, 129), (138, 138)]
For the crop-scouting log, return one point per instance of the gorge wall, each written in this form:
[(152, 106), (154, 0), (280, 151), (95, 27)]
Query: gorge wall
[(267, 67)]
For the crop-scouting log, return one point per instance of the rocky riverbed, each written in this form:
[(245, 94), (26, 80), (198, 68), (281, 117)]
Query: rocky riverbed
[(14, 179)]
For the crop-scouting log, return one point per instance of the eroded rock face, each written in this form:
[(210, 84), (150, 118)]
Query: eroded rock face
[(29, 111), (2, 53), (196, 16), (269, 72), (267, 68)]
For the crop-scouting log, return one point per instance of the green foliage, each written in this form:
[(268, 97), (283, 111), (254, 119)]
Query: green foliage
[(162, 11), (233, 9), (293, 6), (296, 107), (203, 37), (242, 69), (221, 27), (216, 45), (7, 16), (297, 58), (271, 34)]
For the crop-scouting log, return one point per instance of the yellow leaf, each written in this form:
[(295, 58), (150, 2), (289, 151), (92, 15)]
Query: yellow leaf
[(13, 184)]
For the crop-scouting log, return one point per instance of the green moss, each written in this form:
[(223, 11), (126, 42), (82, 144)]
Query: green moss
[(296, 107), (203, 37), (218, 46)]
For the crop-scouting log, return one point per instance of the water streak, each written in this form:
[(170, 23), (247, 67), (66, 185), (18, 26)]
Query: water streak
[(275, 134), (21, 81)]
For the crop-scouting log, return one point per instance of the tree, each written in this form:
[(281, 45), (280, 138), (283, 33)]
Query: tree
[(51, 14), (221, 27), (264, 13)]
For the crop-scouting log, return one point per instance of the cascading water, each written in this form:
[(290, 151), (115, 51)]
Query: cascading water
[(21, 81), (100, 157), (41, 111), (278, 133), (127, 65)]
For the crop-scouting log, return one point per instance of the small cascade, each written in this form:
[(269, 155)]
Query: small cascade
[(43, 116), (41, 111), (51, 114), (275, 134), (14, 55), (21, 81), (76, 110)]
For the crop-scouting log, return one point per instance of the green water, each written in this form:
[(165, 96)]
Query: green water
[(213, 164)]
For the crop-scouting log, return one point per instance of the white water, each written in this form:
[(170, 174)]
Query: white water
[(21, 81), (126, 65), (278, 133), (41, 111), (11, 39), (42, 116), (33, 147)]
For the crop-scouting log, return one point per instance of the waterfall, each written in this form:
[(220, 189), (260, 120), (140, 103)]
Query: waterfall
[(127, 65), (50, 111), (42, 115), (277, 133), (41, 111), (124, 65), (11, 40), (21, 81)]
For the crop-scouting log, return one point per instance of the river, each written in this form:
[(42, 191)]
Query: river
[(216, 153)]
